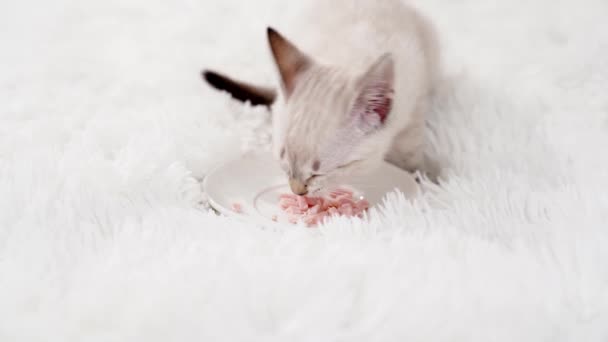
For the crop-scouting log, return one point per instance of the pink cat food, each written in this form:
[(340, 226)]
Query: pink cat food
[(313, 210), (237, 208)]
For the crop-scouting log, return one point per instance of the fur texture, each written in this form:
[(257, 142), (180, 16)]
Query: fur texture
[(346, 106), (106, 130)]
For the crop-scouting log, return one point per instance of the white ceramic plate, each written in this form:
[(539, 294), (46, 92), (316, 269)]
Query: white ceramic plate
[(255, 182)]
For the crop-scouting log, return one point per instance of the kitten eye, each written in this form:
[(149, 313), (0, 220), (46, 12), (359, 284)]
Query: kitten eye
[(349, 164), (282, 152), (313, 176), (316, 165)]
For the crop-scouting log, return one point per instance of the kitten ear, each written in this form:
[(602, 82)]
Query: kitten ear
[(289, 59), (376, 88)]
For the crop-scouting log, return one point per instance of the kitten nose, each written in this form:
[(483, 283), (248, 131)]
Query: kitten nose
[(298, 187)]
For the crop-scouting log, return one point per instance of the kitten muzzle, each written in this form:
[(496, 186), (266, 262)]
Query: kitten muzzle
[(298, 187)]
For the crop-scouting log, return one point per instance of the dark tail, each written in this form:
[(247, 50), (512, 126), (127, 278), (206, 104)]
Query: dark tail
[(256, 95)]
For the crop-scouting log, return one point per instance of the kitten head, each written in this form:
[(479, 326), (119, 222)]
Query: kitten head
[(331, 124)]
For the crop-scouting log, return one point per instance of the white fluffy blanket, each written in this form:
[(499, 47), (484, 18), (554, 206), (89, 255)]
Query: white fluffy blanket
[(106, 131)]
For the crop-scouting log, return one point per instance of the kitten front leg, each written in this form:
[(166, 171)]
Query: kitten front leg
[(413, 162), (408, 153)]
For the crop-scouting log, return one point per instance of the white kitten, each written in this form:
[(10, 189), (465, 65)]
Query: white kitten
[(353, 93)]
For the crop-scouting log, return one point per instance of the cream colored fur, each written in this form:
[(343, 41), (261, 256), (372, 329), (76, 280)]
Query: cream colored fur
[(344, 39)]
